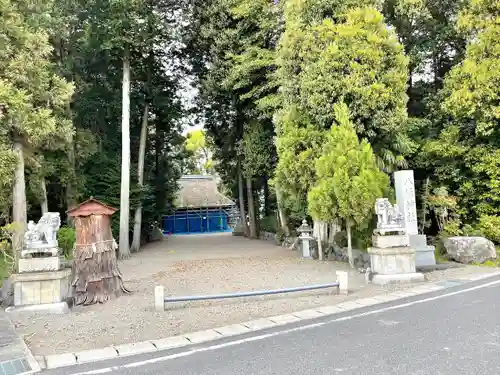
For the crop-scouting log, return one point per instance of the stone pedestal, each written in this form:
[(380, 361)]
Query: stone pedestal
[(36, 288), (39, 264), (305, 244), (424, 254), (384, 242), (393, 264)]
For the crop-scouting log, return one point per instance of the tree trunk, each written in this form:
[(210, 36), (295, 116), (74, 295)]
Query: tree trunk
[(266, 196), (334, 229), (319, 233), (96, 276), (70, 193), (136, 240), (251, 208), (124, 249), (241, 200), (18, 202), (281, 213), (349, 243), (45, 203)]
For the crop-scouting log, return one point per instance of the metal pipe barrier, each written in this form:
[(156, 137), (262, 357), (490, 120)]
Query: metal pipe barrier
[(161, 300)]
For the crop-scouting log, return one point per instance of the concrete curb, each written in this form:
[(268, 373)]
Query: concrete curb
[(125, 350)]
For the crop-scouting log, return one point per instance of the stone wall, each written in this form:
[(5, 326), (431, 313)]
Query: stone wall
[(361, 258), (278, 240), (338, 254)]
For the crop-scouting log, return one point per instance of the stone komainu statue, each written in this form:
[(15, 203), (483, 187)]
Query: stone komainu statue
[(389, 217), (44, 232)]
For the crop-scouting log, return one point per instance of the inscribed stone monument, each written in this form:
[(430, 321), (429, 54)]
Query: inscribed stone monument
[(393, 259), (405, 196)]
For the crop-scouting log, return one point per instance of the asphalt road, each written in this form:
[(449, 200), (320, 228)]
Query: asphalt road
[(450, 335)]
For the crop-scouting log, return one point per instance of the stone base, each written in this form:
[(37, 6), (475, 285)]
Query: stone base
[(50, 250), (384, 242), (47, 308), (424, 255), (392, 261), (43, 264), (402, 278), (37, 288)]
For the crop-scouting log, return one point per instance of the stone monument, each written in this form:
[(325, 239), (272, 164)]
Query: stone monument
[(392, 258), (405, 196), (40, 279)]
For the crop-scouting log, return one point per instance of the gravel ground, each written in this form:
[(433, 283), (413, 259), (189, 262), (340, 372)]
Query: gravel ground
[(188, 265)]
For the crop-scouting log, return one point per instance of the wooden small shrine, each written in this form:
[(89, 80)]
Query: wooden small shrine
[(96, 277)]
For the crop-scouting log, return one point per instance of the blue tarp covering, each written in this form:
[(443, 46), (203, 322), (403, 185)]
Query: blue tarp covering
[(196, 221)]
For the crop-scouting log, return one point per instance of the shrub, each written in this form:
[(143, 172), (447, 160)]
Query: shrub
[(269, 224), (66, 238), (452, 228), (490, 227)]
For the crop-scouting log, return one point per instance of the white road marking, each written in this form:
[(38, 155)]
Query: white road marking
[(387, 323), (279, 333)]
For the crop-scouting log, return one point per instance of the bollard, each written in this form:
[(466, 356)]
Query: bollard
[(159, 298), (342, 280)]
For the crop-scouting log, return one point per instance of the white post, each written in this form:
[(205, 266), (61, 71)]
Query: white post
[(342, 280), (159, 298)]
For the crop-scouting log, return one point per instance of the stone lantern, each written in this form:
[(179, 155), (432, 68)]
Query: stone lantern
[(305, 237)]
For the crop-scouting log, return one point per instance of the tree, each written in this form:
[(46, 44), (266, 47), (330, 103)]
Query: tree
[(349, 180), (333, 51), (32, 96), (257, 150), (467, 148), (198, 145)]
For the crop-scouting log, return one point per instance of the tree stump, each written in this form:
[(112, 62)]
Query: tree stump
[(96, 276)]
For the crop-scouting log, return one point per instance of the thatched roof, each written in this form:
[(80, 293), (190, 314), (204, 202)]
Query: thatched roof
[(200, 191)]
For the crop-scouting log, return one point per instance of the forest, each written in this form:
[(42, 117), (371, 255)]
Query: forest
[(307, 107)]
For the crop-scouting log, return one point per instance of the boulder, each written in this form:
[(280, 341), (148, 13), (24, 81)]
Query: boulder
[(470, 249)]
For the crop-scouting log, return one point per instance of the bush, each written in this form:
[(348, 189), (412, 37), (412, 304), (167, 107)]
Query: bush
[(66, 238), (490, 227), (269, 224), (452, 228)]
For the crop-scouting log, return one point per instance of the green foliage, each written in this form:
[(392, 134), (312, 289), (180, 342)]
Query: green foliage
[(298, 146), (473, 85), (332, 52), (7, 262), (66, 238), (33, 97), (452, 228), (465, 154), (257, 150), (269, 224), (358, 61), (349, 180), (489, 226), (199, 147)]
